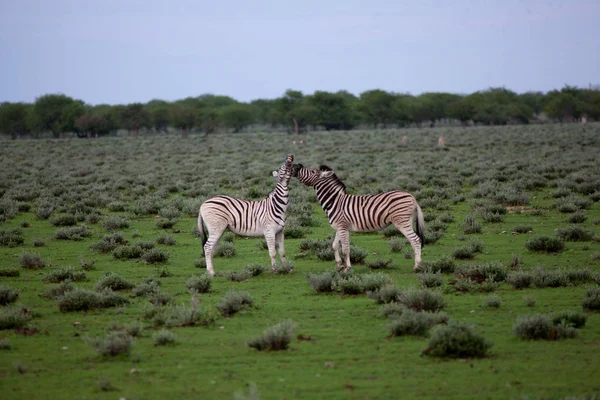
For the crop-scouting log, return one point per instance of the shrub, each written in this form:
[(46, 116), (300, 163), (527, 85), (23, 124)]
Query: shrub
[(255, 269), (411, 323), (492, 217), (39, 242), (234, 302), (591, 301), (8, 295), (351, 284), (166, 240), (127, 252), (321, 282), (390, 310), (293, 230), (529, 301), (114, 222), (574, 234), (163, 337), (570, 318), (379, 264), (463, 253), (113, 282), (109, 242), (395, 244), (543, 278), (87, 265), (224, 249), (14, 317), (31, 260), (155, 256), (444, 265), (63, 220), (386, 294), (199, 283), (579, 276), (325, 254), (144, 245), (238, 276), (430, 280), (277, 337), (540, 327), (492, 301), (147, 288), (391, 231), (483, 272), (422, 300), (283, 268), (577, 218), (358, 255), (163, 223), (116, 206), (457, 341), (73, 233), (84, 300), (65, 273), (44, 212), (519, 279), (114, 344), (476, 245), (200, 263), (57, 291), (471, 225), (5, 344), (11, 237), (10, 272), (545, 244), (522, 229), (194, 315)]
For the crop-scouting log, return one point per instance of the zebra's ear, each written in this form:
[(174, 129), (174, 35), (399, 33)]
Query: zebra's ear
[(326, 174), (274, 174)]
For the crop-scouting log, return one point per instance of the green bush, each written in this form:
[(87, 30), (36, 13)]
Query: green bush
[(11, 237), (574, 234), (444, 265), (577, 218), (225, 249), (379, 264), (194, 315), (457, 341), (545, 244), (237, 276), (522, 229), (8, 295), (164, 223), (63, 220), (234, 302), (422, 300), (386, 294), (10, 272), (519, 279), (463, 253), (358, 255), (163, 337), (109, 242), (113, 281), (430, 280), (114, 222), (155, 256), (57, 291), (85, 300), (321, 282), (396, 244), (30, 260), (73, 233), (411, 323), (591, 302), (283, 268), (14, 317), (540, 327), (471, 225), (549, 278), (114, 344), (390, 310), (575, 319), (166, 240), (277, 337), (255, 269), (65, 273), (492, 301), (199, 283), (127, 252)]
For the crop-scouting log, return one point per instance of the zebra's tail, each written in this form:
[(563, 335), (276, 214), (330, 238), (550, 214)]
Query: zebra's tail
[(420, 225), (202, 231)]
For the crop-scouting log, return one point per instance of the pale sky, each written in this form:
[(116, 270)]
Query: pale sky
[(122, 51)]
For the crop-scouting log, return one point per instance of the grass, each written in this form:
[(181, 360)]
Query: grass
[(339, 340)]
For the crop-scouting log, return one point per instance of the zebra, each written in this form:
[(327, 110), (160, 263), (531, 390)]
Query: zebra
[(247, 218), (348, 213)]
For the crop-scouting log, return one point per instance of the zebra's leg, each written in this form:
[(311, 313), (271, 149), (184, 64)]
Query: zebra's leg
[(345, 239), (270, 238), (213, 238), (414, 240), (279, 246), (336, 252)]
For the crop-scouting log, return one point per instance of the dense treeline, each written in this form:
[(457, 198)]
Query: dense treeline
[(58, 113)]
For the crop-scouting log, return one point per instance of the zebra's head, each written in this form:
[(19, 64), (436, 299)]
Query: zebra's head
[(285, 172), (312, 177)]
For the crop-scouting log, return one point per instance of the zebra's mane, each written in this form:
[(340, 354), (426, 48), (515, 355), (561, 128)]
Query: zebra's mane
[(335, 178)]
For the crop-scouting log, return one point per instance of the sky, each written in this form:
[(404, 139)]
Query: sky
[(124, 51)]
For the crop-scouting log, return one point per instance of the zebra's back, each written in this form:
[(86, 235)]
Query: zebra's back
[(373, 212)]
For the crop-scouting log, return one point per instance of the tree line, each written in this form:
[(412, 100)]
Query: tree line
[(295, 111)]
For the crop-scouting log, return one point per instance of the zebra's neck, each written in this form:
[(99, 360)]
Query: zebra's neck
[(328, 193), (280, 195)]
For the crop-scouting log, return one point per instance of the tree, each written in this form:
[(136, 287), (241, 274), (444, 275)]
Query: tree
[(236, 116), (377, 107), (160, 118), (333, 110), (562, 105), (56, 113), (14, 118), (134, 117), (462, 110), (207, 119), (89, 125), (402, 109), (183, 116)]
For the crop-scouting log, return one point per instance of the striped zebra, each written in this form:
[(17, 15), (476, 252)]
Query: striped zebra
[(247, 218), (348, 213)]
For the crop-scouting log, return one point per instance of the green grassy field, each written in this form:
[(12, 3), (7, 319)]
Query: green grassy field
[(342, 347)]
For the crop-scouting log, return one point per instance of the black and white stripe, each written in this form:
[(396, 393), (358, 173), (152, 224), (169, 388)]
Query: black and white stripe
[(348, 213), (247, 218)]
